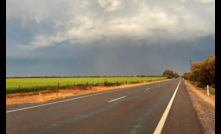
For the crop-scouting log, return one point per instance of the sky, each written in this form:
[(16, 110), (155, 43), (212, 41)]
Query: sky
[(107, 37)]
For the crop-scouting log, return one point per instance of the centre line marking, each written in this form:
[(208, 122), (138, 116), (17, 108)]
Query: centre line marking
[(76, 98), (147, 89), (166, 112), (116, 99)]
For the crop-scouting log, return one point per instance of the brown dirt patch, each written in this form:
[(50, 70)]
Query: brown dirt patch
[(204, 106), (54, 93)]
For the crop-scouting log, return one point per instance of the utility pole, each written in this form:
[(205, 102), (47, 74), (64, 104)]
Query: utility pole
[(191, 65)]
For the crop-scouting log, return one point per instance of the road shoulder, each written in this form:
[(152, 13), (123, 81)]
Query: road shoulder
[(204, 106), (182, 118)]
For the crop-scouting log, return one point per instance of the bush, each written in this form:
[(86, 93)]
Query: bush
[(207, 71), (203, 72)]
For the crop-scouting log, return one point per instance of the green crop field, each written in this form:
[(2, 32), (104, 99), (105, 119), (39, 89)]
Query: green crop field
[(16, 85)]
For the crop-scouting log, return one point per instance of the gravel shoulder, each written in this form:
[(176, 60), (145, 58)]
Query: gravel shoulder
[(204, 106)]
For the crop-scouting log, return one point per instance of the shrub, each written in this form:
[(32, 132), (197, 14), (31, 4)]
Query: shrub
[(203, 72)]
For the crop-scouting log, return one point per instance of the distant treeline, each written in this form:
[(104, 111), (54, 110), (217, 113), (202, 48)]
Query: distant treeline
[(79, 76)]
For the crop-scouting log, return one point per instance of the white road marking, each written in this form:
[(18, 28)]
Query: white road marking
[(166, 112), (147, 88), (116, 99), (66, 100), (69, 99)]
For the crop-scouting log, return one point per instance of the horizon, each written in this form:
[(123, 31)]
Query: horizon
[(80, 76)]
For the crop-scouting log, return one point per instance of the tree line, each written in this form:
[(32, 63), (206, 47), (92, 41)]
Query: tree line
[(202, 72)]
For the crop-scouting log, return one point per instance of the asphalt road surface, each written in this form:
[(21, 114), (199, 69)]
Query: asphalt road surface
[(163, 107)]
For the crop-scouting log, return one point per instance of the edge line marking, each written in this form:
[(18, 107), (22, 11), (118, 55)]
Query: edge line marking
[(166, 112)]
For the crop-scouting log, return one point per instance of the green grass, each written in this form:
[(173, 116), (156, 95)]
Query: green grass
[(16, 85), (212, 90)]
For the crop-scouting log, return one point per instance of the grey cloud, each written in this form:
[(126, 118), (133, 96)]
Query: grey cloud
[(121, 60), (85, 22), (96, 37)]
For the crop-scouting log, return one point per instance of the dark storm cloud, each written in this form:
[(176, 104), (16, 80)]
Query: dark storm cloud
[(102, 60), (107, 37)]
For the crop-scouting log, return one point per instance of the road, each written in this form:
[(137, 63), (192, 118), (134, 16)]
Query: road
[(163, 107)]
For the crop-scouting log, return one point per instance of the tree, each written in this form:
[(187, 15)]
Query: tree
[(168, 74), (203, 72), (207, 71), (196, 71), (176, 75), (188, 76)]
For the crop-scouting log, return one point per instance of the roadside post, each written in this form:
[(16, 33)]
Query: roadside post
[(207, 90)]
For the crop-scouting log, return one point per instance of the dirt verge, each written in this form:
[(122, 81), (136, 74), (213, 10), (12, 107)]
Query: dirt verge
[(54, 93), (204, 106)]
